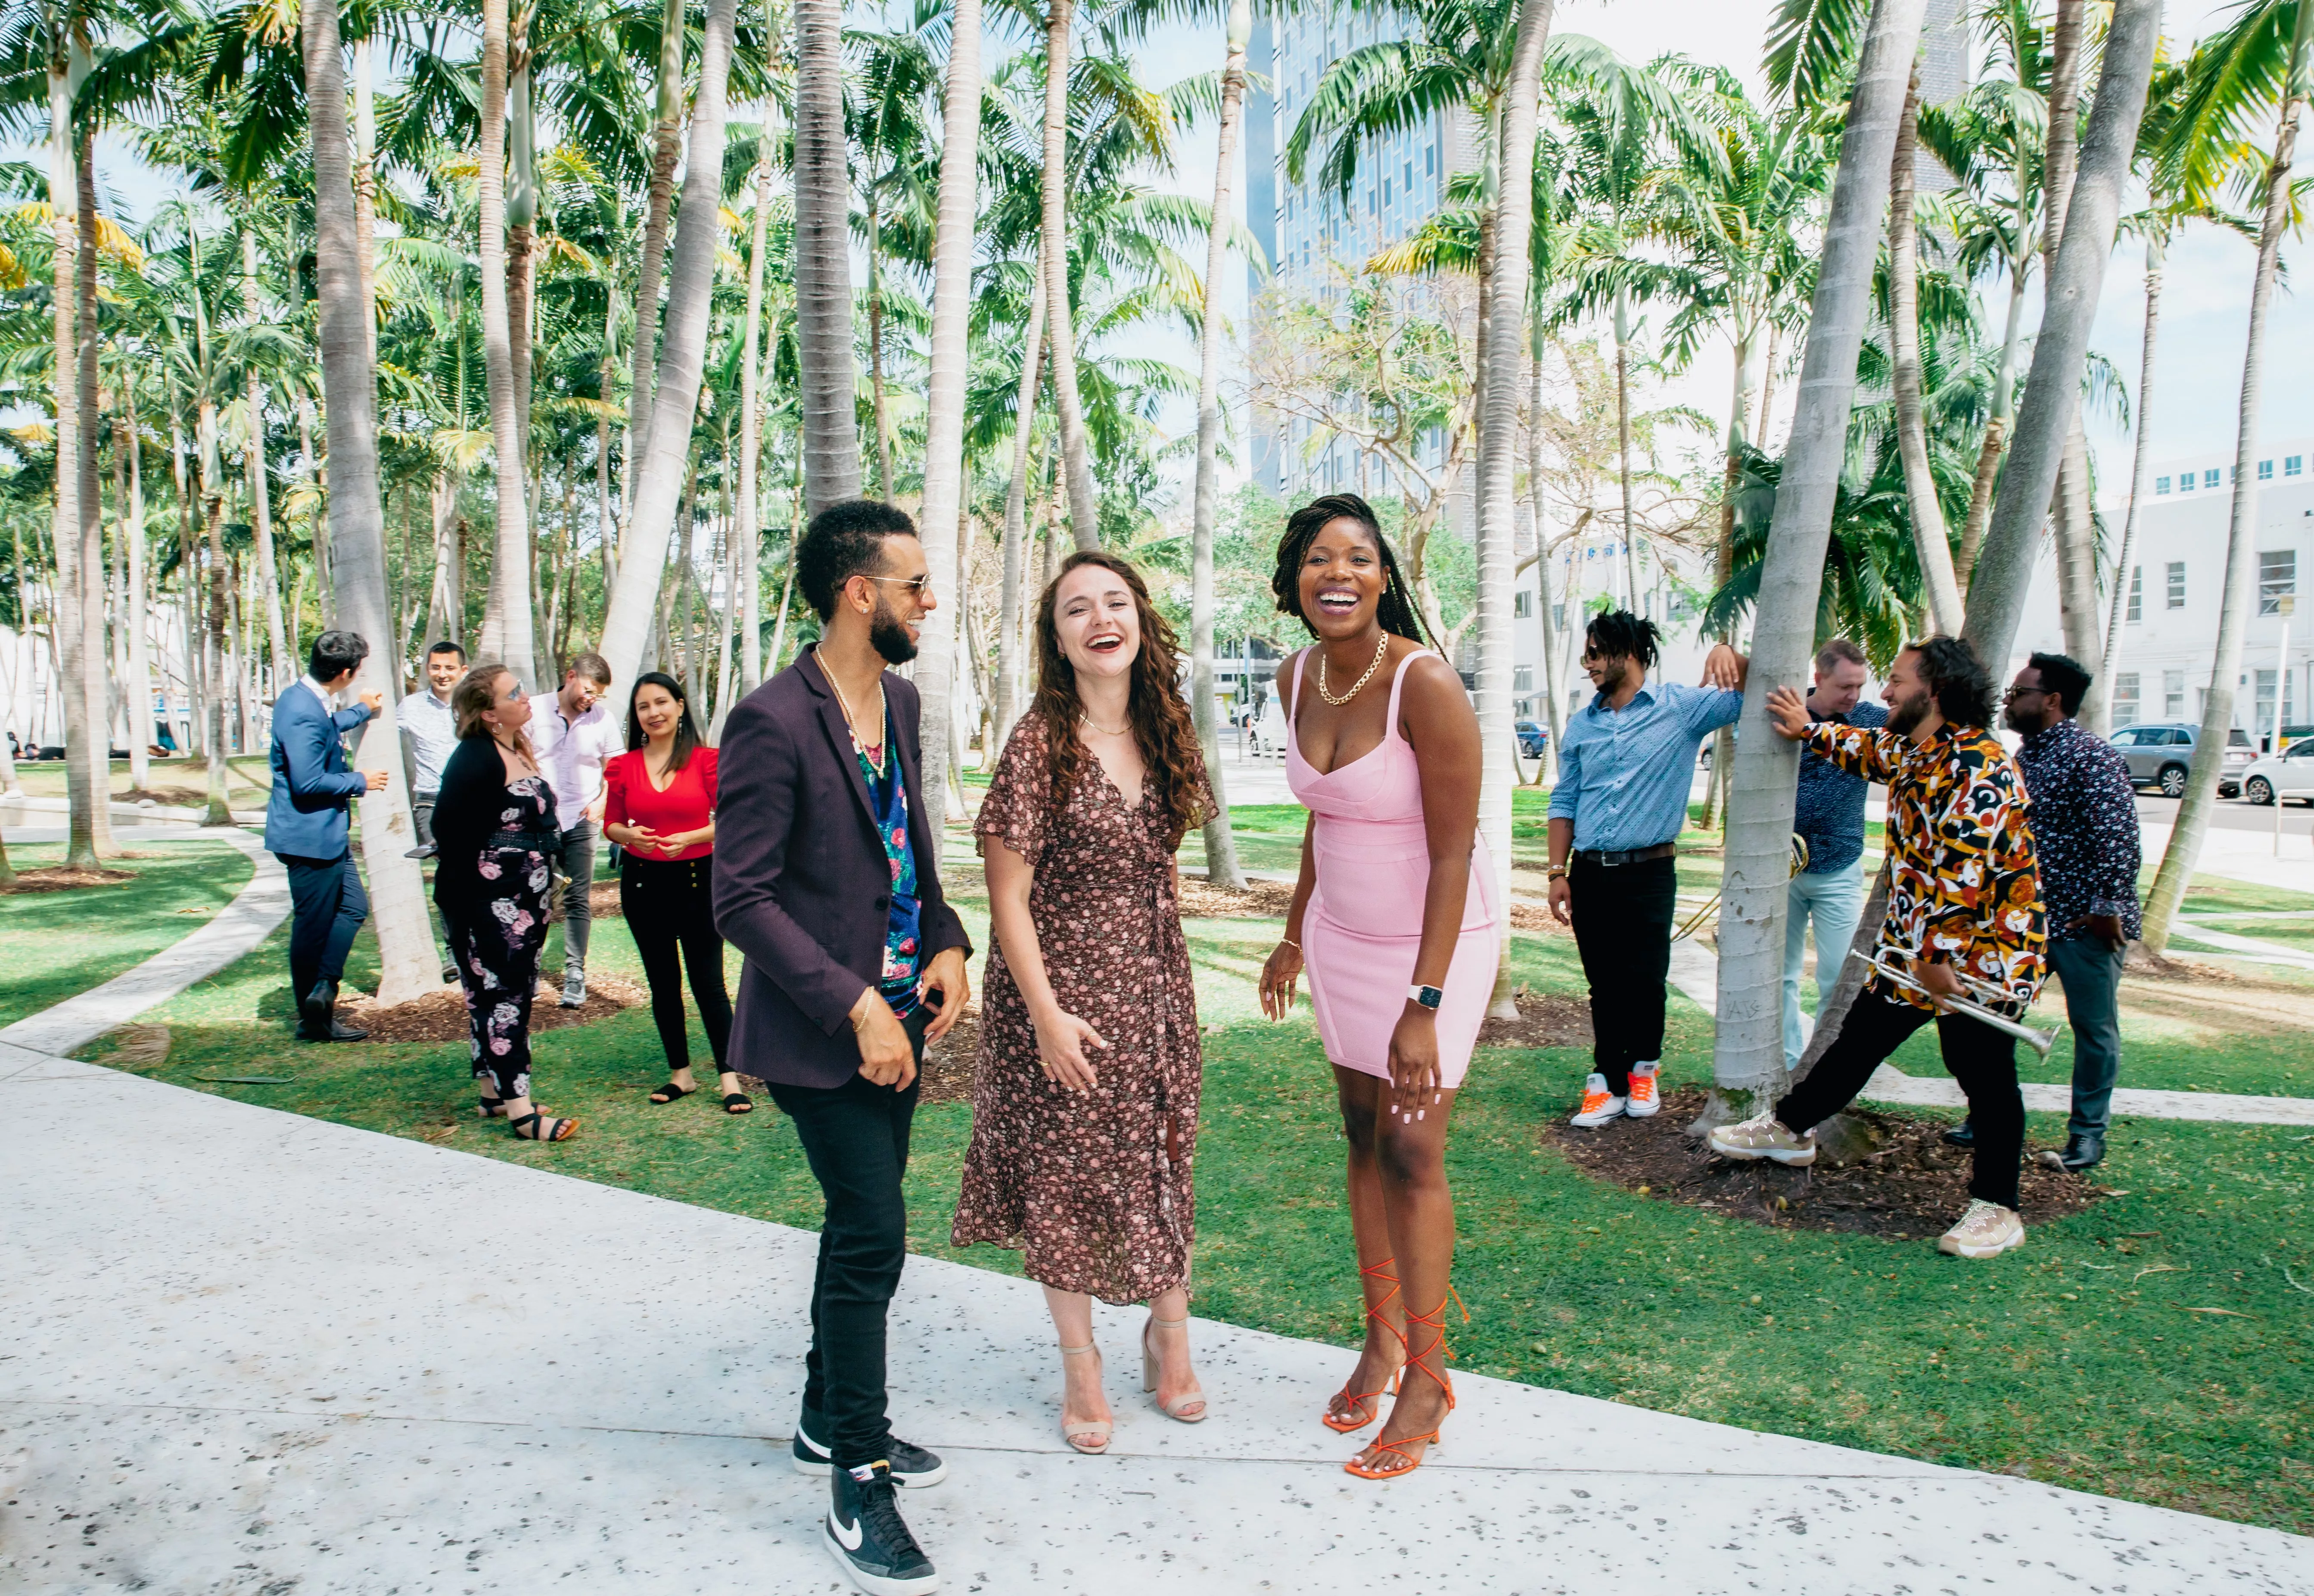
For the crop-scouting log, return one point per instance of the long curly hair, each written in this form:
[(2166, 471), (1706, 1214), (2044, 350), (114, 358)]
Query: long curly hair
[(1159, 716), (476, 694), (1396, 611)]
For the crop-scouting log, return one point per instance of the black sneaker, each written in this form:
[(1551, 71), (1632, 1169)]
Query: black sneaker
[(869, 1540), (1963, 1135), (911, 1465)]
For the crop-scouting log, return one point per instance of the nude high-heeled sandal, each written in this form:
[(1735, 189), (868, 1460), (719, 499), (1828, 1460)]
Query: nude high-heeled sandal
[(1180, 1406), (1088, 1436)]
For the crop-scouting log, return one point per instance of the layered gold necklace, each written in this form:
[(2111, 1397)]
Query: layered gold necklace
[(851, 721)]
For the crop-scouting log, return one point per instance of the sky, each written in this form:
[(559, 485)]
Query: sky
[(2206, 305), (2206, 302)]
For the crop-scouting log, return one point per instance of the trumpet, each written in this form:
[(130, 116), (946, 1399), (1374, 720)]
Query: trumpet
[(2040, 1042)]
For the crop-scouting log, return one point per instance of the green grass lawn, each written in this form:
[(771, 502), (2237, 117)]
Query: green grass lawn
[(2084, 1360), (56, 944)]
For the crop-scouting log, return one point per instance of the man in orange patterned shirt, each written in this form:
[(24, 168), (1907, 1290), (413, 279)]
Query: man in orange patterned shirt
[(1963, 902)]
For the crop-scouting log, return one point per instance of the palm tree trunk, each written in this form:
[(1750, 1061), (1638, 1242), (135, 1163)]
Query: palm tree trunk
[(1623, 440), (682, 356), (751, 430), (1554, 713), (877, 408), (445, 605), (1222, 868), (823, 256), (1084, 522), (1506, 292), (1019, 548), (940, 521), (606, 526), (1997, 588), (522, 216), (2077, 594), (409, 964), (2193, 823), (95, 682), (138, 607), (2140, 456), (261, 492), (1930, 541), (1763, 777), (667, 147), (507, 626), (213, 634)]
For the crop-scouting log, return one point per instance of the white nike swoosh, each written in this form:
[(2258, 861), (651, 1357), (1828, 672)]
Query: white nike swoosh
[(850, 1541)]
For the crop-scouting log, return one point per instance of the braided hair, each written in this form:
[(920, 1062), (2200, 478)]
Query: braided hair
[(1396, 611)]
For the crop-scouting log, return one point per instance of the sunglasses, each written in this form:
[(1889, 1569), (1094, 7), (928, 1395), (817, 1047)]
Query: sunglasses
[(921, 587)]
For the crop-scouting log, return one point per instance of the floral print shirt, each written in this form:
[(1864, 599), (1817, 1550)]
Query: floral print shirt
[(903, 927), (1962, 883), (2085, 822)]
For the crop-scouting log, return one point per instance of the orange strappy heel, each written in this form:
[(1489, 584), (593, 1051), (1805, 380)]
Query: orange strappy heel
[(1436, 1321), (1358, 1402)]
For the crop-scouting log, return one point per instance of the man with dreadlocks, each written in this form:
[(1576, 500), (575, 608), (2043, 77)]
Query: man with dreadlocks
[(1625, 765)]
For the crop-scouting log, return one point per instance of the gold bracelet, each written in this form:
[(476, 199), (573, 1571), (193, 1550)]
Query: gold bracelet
[(1554, 872), (1290, 942)]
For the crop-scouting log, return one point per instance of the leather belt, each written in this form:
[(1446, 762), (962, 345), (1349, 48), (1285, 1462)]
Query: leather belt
[(1627, 856)]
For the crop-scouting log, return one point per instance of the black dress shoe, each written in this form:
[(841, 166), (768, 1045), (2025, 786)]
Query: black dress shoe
[(338, 1031), (2081, 1153), (1963, 1135), (318, 1008)]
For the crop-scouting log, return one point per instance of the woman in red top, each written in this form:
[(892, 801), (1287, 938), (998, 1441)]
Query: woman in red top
[(660, 807)]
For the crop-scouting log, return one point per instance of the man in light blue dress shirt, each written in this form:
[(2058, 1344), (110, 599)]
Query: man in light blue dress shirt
[(429, 732), (1626, 764)]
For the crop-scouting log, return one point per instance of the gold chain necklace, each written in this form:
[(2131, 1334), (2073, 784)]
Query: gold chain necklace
[(1380, 648), (852, 722), (1105, 730)]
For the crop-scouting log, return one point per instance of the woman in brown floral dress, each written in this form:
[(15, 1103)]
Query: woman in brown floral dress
[(1085, 1098)]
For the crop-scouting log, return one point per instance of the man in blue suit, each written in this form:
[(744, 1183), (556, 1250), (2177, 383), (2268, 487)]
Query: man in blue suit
[(308, 820)]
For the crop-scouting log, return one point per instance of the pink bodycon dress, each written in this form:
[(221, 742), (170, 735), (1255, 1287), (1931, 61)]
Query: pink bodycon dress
[(1364, 925)]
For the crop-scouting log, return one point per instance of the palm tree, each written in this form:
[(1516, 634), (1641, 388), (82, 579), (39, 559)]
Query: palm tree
[(407, 964), (666, 145), (751, 404), (87, 779), (1930, 539), (944, 481), (823, 255), (683, 352), (1748, 1054), (1083, 515), (2261, 57), (507, 621)]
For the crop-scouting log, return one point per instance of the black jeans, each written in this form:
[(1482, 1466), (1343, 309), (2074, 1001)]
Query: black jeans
[(1622, 917), (1980, 1058), (327, 905), (670, 910), (856, 1138)]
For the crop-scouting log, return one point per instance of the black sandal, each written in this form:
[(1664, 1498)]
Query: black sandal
[(738, 1103), (545, 1128), (671, 1093), (490, 1108)]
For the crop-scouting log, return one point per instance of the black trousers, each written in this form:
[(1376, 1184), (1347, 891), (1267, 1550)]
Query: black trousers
[(1982, 1059), (327, 905), (670, 909), (856, 1138), (1622, 916)]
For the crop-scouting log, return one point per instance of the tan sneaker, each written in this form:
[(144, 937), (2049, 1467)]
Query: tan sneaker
[(1763, 1136), (1985, 1231)]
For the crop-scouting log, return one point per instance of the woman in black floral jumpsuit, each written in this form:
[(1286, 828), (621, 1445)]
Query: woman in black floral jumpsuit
[(495, 823)]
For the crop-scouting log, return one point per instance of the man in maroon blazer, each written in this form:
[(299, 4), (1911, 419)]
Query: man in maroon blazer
[(828, 880)]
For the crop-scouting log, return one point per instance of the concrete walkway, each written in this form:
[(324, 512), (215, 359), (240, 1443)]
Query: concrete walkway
[(255, 1353)]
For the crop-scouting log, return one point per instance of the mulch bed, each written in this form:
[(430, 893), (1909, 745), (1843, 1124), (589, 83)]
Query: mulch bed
[(441, 1016), (1260, 900), (1911, 1186), (1543, 1021), (947, 1071), (58, 878), (193, 796)]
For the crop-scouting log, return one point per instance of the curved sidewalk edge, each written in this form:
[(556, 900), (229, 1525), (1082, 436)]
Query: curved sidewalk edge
[(1695, 971), (240, 926)]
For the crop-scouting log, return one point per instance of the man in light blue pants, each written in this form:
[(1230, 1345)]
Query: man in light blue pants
[(1830, 817)]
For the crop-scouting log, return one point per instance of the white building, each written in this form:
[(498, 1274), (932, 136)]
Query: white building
[(2175, 582)]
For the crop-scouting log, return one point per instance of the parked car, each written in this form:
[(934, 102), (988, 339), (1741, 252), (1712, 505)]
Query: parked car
[(2160, 755), (2281, 777), (1265, 730), (1534, 739)]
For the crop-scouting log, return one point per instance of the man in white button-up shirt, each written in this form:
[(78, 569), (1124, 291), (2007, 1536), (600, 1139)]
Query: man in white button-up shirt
[(430, 731), (572, 733)]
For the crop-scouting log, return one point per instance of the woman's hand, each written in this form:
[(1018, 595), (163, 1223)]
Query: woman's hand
[(1278, 978), (1060, 1043), (647, 841), (1414, 1078)]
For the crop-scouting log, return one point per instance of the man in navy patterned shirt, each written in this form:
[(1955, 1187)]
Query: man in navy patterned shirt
[(1830, 816), (2085, 821)]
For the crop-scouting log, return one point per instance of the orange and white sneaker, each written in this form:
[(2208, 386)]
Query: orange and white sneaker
[(1644, 1098), (1599, 1103)]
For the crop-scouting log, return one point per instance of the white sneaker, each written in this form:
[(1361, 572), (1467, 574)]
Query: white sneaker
[(1644, 1100), (1763, 1136), (1985, 1231), (1599, 1103), (574, 989)]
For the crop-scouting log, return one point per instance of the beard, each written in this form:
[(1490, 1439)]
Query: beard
[(1906, 716), (889, 634)]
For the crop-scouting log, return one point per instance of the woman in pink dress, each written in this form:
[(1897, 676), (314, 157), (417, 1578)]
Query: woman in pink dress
[(1395, 921)]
